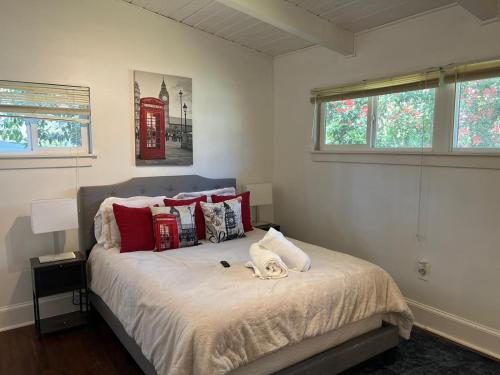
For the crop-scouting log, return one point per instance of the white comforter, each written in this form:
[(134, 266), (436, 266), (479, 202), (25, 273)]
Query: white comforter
[(192, 316)]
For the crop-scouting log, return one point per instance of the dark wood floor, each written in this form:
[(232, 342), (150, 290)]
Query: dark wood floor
[(89, 350), (94, 349)]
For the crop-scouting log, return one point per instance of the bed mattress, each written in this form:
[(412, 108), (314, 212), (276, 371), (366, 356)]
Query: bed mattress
[(291, 354), (190, 315)]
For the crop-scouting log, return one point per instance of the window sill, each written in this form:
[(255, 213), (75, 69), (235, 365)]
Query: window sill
[(462, 159), (37, 161)]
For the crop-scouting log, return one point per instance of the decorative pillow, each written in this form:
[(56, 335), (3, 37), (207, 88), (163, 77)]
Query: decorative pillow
[(106, 230), (198, 213), (208, 193), (223, 220), (136, 228), (166, 232), (185, 222), (246, 213)]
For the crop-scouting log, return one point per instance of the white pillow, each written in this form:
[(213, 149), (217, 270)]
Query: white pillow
[(208, 193), (106, 230)]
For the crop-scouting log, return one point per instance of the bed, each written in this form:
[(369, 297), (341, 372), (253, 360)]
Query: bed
[(180, 312)]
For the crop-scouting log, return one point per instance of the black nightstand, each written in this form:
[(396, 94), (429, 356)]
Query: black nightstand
[(266, 226), (59, 277)]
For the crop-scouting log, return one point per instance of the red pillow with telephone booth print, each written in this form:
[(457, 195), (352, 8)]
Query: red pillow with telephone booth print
[(166, 232), (198, 213)]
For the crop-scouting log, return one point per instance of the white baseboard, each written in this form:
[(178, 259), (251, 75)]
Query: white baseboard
[(464, 332), (21, 314)]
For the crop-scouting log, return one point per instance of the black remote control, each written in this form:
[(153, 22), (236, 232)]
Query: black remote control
[(225, 264)]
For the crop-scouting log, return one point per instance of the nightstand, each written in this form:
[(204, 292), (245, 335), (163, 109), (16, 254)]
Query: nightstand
[(266, 226), (55, 278)]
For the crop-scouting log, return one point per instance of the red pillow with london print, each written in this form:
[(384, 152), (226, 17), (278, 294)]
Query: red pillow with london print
[(166, 232), (246, 213), (198, 213)]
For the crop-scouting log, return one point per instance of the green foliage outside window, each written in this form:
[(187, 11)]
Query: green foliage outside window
[(52, 134), (405, 119), (479, 114), (402, 120), (59, 134), (346, 121), (13, 133)]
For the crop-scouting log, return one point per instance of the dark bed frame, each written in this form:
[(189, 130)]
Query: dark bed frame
[(332, 361)]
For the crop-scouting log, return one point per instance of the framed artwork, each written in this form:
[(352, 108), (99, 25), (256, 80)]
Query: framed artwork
[(163, 119)]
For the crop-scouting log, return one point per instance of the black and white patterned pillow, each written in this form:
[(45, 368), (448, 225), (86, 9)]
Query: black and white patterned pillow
[(223, 220), (185, 222)]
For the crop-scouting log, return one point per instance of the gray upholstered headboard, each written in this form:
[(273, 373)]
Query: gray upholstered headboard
[(90, 197)]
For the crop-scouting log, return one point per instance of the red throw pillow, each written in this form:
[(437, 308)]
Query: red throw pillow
[(166, 232), (246, 213), (198, 213), (136, 228)]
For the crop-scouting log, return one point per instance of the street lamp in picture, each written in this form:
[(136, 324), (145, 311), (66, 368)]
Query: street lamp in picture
[(185, 132)]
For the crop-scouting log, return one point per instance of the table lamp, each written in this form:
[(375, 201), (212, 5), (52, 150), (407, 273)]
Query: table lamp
[(54, 215), (260, 195)]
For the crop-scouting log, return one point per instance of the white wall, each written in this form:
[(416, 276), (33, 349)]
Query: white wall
[(371, 210), (99, 44), (366, 210)]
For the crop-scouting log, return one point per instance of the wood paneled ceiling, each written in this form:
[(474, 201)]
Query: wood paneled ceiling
[(359, 15), (276, 27)]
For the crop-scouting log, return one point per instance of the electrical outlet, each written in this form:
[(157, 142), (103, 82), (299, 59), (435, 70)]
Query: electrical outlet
[(423, 269)]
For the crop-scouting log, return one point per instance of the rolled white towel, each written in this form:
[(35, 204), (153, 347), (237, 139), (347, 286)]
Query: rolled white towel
[(266, 264), (295, 258)]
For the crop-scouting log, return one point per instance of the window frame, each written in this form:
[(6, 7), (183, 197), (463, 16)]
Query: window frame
[(346, 147), (454, 140), (444, 130), (371, 133), (33, 150)]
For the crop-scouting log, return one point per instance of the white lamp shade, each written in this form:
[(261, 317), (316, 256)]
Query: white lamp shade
[(53, 215), (260, 194)]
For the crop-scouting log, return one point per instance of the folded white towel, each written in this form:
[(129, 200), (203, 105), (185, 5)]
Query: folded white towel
[(266, 264), (294, 258)]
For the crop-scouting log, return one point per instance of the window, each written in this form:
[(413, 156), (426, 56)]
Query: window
[(396, 120), (405, 119), (42, 118), (346, 122), (445, 111), (477, 117)]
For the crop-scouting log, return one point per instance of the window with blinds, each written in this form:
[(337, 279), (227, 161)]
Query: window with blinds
[(44, 118), (445, 110)]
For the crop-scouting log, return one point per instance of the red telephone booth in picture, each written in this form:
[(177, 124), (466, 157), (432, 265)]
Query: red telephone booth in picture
[(152, 129)]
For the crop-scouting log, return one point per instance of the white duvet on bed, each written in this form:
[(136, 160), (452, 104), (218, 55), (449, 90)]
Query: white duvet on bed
[(192, 316)]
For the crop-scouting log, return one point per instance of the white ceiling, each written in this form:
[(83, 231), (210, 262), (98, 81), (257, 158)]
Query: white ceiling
[(263, 30), (359, 15), (226, 23)]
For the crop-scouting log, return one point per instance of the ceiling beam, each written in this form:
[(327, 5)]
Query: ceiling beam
[(296, 21), (485, 10)]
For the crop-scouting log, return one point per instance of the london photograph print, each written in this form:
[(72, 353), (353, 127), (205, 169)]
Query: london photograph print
[(163, 119)]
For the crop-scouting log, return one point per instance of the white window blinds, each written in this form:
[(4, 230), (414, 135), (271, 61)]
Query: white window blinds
[(45, 101), (427, 79)]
